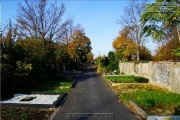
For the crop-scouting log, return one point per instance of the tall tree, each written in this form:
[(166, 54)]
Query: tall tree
[(8, 62), (80, 46), (167, 50), (124, 45), (7, 43), (111, 56), (39, 19), (145, 54), (160, 18), (113, 61), (130, 19), (89, 57)]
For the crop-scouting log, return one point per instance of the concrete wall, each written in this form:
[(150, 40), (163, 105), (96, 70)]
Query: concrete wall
[(162, 74)]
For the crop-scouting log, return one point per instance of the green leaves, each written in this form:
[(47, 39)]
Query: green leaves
[(155, 31), (23, 68), (176, 52), (111, 56), (157, 18)]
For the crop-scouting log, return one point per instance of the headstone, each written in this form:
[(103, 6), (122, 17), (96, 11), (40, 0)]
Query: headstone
[(125, 66), (145, 68)]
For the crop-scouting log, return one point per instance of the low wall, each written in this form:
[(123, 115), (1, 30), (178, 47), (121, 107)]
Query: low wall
[(162, 74)]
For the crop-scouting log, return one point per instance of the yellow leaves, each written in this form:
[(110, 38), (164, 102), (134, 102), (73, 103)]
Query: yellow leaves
[(165, 51), (174, 19), (79, 42), (121, 43), (124, 42)]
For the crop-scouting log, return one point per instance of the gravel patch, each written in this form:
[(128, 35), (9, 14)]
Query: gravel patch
[(39, 99)]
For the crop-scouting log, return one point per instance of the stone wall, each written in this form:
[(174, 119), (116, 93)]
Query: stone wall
[(163, 74)]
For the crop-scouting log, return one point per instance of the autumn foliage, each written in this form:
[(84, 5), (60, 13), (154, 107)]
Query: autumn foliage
[(124, 43), (125, 47), (165, 52), (35, 52), (79, 46)]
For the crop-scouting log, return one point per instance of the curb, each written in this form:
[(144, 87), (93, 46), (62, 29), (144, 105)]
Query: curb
[(63, 99), (137, 109), (116, 84), (60, 103), (74, 83)]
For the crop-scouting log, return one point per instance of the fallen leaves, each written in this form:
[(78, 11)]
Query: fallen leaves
[(8, 113)]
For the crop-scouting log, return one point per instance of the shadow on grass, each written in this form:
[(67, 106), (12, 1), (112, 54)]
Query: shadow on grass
[(177, 110)]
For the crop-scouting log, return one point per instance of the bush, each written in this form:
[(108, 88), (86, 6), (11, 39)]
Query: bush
[(57, 78), (100, 69), (141, 79), (121, 79)]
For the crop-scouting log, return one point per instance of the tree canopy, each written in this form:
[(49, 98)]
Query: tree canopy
[(39, 19), (131, 20), (161, 17), (37, 48), (124, 44)]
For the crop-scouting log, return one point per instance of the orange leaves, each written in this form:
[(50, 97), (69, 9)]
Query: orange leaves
[(70, 49), (165, 52), (124, 42), (79, 42)]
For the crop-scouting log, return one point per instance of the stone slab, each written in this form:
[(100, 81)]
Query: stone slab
[(35, 105), (163, 118)]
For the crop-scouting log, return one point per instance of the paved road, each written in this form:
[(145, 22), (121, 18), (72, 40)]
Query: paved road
[(92, 99)]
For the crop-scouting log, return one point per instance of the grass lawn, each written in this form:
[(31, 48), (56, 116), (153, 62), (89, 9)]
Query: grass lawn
[(121, 79), (54, 87), (126, 79), (154, 100)]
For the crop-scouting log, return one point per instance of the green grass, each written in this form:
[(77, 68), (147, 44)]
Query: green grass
[(66, 83), (121, 79), (127, 79), (57, 90), (154, 100), (54, 87), (151, 98)]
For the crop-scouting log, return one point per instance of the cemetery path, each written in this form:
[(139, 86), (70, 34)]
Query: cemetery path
[(92, 99)]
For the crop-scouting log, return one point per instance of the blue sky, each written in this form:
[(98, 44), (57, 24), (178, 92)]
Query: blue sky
[(98, 17)]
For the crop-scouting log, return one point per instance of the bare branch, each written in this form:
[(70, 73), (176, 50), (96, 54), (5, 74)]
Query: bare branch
[(37, 19), (131, 19)]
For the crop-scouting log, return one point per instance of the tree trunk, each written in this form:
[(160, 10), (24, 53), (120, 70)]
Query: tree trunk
[(137, 53), (178, 33)]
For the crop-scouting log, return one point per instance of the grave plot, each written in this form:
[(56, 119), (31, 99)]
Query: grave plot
[(33, 100)]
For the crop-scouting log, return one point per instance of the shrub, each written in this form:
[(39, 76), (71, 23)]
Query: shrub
[(141, 79), (100, 69), (121, 79), (57, 78)]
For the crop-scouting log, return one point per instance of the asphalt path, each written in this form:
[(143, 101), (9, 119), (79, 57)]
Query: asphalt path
[(92, 99)]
